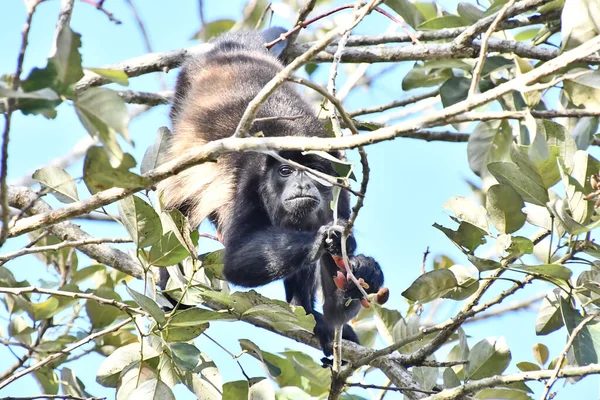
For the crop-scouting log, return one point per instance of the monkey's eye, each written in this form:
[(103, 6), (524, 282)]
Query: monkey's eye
[(286, 170)]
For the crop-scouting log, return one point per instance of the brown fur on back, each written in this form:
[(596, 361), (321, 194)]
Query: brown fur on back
[(212, 93)]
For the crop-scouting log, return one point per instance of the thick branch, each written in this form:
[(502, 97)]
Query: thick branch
[(25, 198), (474, 386), (212, 150)]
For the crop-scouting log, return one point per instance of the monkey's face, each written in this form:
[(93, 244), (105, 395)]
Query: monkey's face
[(295, 198)]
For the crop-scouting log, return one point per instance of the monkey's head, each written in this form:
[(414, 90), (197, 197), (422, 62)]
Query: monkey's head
[(294, 198)]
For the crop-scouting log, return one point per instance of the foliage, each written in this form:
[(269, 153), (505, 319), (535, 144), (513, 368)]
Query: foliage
[(535, 172)]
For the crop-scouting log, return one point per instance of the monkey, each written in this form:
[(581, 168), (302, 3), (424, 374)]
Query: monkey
[(275, 220)]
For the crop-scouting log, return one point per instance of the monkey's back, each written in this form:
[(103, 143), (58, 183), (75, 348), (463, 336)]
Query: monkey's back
[(212, 93)]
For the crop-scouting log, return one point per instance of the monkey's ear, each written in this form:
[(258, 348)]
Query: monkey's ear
[(273, 33)]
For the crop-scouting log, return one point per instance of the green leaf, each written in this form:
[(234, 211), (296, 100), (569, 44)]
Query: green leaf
[(504, 205), (132, 377), (153, 389), (280, 317), (152, 155), (531, 190), (167, 251), (185, 355), (430, 286), (407, 10), (47, 379), (213, 263), (99, 175), (404, 329), (67, 59), (454, 90), (578, 27), (62, 186), (44, 310), (451, 380), (110, 369), (261, 388), (489, 357), (42, 94), (425, 376), (423, 76), (540, 353), (140, 220), (208, 385), (446, 21), (584, 130), (526, 366), (545, 270), (549, 317), (502, 393), (465, 209), (198, 316), (102, 315), (490, 141), (148, 305), (385, 321), (468, 237), (483, 264), (177, 223), (586, 345), (516, 246), (113, 75), (252, 349), (469, 12), (467, 284), (214, 28), (101, 108), (235, 390)]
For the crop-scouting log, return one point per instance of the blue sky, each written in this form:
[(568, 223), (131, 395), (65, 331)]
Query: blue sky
[(410, 179)]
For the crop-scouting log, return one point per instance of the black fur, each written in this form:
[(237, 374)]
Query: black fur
[(277, 221)]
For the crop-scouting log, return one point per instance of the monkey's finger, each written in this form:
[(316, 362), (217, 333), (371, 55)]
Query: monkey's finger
[(362, 283), (365, 303), (340, 281)]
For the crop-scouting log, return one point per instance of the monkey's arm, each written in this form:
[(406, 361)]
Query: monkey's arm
[(256, 258)]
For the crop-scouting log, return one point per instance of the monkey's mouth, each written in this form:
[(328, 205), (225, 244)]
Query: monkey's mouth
[(302, 199)]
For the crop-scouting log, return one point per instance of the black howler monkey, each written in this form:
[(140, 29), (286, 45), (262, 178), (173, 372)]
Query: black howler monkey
[(273, 219)]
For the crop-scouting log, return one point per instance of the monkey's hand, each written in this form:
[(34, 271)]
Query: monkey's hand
[(332, 239), (367, 271)]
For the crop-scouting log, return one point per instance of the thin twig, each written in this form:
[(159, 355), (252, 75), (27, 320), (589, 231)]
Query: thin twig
[(73, 295), (62, 245), (392, 389), (394, 104), (563, 354), (9, 105), (61, 353), (484, 46), (213, 149), (100, 7)]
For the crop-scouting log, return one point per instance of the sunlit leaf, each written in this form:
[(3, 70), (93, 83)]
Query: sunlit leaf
[(431, 285), (62, 186)]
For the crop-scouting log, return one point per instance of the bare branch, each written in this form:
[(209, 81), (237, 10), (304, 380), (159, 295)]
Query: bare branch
[(212, 150), (9, 106), (498, 380), (72, 295), (394, 104), (146, 98), (563, 354), (58, 246), (484, 46), (67, 350), (67, 231)]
